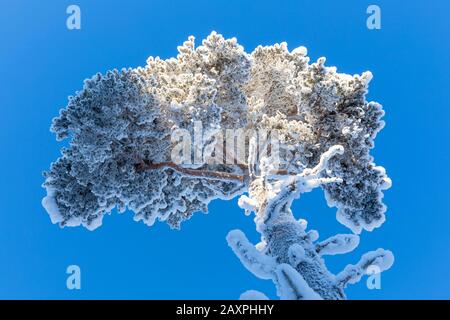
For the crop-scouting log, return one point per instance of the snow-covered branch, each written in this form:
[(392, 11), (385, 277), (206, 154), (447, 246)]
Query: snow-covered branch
[(300, 272), (380, 258), (323, 162), (256, 262), (285, 189), (338, 244), (198, 173)]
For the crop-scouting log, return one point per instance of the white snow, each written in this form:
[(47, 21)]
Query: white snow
[(247, 204), (253, 295), (50, 205)]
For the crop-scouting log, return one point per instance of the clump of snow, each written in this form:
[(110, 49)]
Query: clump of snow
[(247, 204), (301, 51), (253, 295), (296, 254), (303, 223), (50, 205)]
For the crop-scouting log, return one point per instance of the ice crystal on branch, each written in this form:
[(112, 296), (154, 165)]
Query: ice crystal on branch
[(124, 130)]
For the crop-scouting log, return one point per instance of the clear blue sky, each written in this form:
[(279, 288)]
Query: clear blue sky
[(42, 62)]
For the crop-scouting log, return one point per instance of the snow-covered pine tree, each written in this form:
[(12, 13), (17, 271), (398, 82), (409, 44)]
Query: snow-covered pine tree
[(121, 129)]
